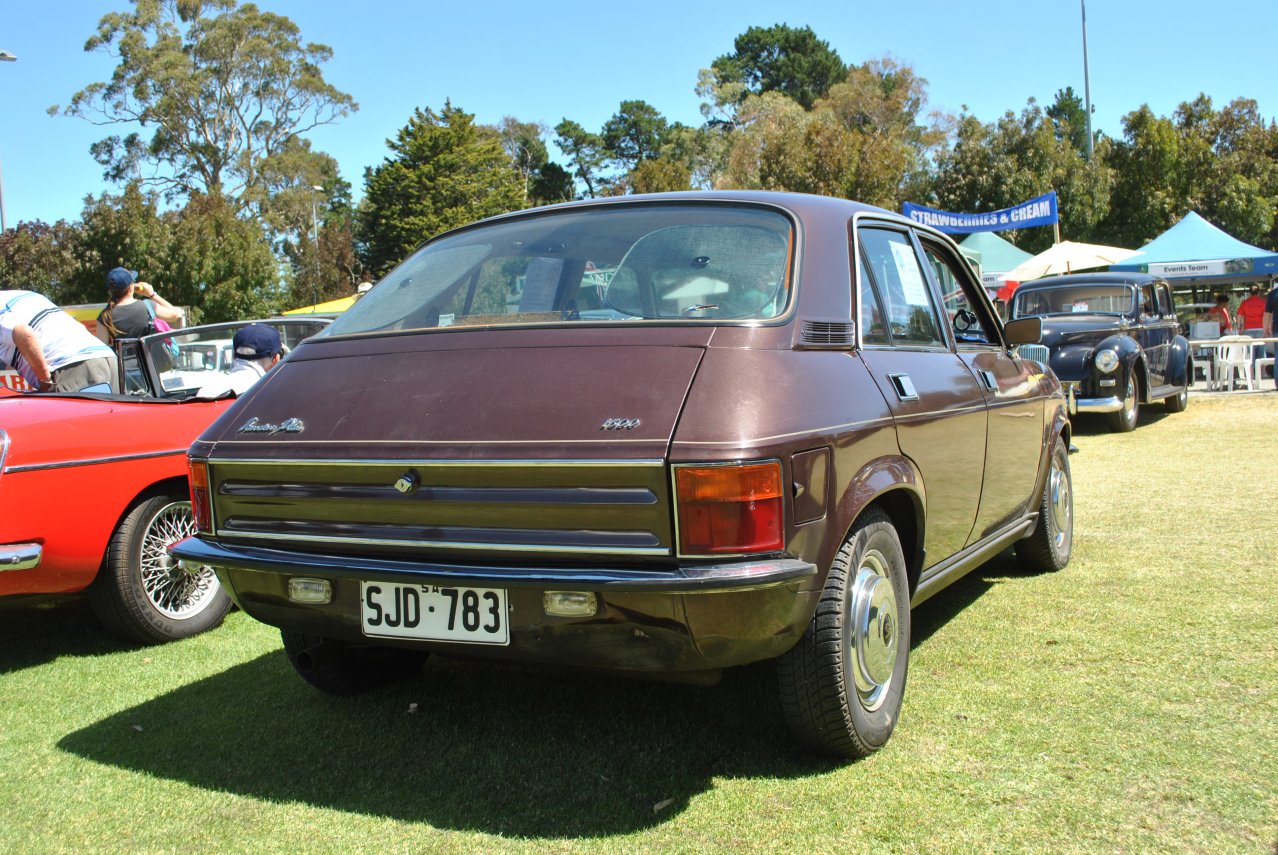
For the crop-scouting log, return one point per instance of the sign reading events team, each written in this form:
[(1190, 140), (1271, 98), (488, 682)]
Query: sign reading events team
[(1039, 211)]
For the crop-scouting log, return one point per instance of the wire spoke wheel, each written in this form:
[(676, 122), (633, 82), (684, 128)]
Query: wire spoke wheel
[(173, 591), (142, 592)]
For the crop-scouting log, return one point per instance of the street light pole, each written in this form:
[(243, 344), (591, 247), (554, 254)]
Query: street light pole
[(315, 247), (5, 56), (1087, 86)]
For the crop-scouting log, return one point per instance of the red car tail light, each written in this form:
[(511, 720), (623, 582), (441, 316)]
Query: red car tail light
[(730, 509), (201, 508)]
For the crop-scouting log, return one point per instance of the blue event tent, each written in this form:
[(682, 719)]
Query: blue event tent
[(1194, 252)]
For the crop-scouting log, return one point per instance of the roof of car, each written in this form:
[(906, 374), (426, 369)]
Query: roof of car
[(1109, 277), (801, 204)]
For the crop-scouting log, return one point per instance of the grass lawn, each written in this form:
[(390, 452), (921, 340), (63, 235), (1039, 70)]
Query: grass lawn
[(1126, 704)]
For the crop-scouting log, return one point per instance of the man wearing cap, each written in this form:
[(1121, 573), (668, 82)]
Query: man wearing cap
[(128, 317), (50, 349), (257, 350)]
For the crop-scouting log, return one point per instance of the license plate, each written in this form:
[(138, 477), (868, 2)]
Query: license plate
[(428, 612)]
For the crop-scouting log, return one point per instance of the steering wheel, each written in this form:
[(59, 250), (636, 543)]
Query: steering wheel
[(965, 321)]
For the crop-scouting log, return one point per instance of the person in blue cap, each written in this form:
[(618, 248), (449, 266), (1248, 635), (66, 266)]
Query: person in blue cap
[(127, 316), (257, 350)]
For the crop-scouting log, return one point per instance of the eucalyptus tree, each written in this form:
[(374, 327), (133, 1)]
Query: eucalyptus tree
[(205, 93)]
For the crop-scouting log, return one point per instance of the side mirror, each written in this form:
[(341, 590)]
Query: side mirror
[(1023, 331)]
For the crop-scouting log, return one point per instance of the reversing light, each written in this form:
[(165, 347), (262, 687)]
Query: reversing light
[(201, 508), (315, 592), (569, 603), (730, 509)]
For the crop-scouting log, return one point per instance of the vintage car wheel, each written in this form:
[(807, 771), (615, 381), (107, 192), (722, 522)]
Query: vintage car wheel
[(842, 684), (141, 592), (342, 668), (1048, 546), (1178, 402), (1125, 419)]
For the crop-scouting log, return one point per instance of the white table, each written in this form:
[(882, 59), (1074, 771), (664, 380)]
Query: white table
[(1258, 355)]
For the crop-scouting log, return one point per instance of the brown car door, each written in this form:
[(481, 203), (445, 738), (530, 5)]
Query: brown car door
[(1011, 387), (939, 409)]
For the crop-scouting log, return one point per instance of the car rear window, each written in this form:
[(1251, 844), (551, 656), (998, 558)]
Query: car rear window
[(623, 264)]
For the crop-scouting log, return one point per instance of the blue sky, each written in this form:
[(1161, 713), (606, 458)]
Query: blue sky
[(545, 62)]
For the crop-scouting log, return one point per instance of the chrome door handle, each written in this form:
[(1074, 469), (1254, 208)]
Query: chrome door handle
[(904, 387)]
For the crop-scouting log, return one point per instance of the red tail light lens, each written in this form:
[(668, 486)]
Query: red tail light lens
[(730, 509), (201, 508)]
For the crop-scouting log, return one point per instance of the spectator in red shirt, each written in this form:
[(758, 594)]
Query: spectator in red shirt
[(1251, 311), (1220, 312)]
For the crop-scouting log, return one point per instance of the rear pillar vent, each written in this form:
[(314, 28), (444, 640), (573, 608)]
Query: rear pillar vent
[(827, 333)]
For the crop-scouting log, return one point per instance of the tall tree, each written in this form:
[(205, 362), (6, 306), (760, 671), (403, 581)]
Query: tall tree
[(1003, 163), (445, 171), (525, 148), (866, 140), (585, 153), (634, 133), (780, 58), (1069, 118), (219, 87)]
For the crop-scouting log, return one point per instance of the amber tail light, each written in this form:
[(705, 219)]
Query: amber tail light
[(201, 508), (730, 509)]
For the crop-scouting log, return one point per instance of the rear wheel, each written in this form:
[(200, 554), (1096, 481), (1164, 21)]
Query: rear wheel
[(343, 668), (842, 684), (141, 592), (1048, 547), (1125, 419)]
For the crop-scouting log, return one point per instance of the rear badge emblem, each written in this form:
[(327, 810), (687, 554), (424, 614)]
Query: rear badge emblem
[(408, 482), (619, 424), (286, 426)]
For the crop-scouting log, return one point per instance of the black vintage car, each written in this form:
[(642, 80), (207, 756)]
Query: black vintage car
[(1113, 341)]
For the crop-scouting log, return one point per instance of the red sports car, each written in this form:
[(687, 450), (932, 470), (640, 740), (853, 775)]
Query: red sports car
[(93, 487)]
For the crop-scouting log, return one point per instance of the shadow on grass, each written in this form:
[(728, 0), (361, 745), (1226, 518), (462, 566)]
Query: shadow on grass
[(491, 749), (1094, 424), (37, 630), (475, 746), (936, 612)]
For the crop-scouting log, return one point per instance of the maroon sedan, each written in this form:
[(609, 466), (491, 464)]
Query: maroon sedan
[(665, 434)]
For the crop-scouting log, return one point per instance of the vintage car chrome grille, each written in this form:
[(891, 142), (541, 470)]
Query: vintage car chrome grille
[(1037, 352), (441, 507)]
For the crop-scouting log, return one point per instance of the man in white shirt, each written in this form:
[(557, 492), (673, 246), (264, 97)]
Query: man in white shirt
[(50, 349), (257, 350)]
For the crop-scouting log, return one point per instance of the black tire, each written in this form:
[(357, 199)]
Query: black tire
[(140, 592), (842, 684), (342, 668), (1048, 547), (1178, 402), (1124, 421)]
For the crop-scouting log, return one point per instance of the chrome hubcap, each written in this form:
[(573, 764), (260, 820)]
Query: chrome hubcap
[(1129, 401), (173, 592), (1062, 504), (875, 630)]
